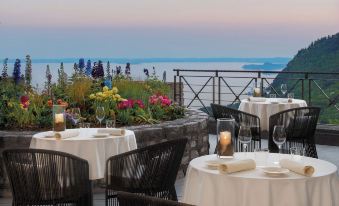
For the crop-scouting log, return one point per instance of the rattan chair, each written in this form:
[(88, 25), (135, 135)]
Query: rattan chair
[(241, 118), (151, 170), (131, 199), (300, 124), (43, 177)]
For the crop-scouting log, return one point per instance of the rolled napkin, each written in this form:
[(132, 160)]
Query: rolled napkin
[(257, 99), (66, 134), (297, 167), (237, 166), (112, 131)]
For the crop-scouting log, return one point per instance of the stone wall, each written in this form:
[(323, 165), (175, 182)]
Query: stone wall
[(193, 127)]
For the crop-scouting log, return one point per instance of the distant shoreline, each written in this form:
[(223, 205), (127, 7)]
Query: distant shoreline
[(276, 60)]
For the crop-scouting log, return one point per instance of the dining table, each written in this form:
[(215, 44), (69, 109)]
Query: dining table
[(96, 149), (208, 186), (265, 107)]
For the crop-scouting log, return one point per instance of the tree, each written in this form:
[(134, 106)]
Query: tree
[(16, 71), (81, 65), (62, 76), (108, 71), (48, 82), (28, 71), (76, 68), (89, 68), (4, 69)]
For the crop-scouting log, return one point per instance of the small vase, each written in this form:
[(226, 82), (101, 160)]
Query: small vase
[(59, 118), (225, 132)]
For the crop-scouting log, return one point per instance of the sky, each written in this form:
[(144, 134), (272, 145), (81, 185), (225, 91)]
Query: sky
[(163, 28)]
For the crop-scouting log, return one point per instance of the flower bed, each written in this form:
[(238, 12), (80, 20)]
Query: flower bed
[(122, 99)]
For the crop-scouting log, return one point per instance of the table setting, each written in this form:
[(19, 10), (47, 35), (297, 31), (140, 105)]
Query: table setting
[(259, 178), (264, 107)]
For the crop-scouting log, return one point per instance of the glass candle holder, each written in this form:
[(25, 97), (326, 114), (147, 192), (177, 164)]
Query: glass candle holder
[(225, 132), (256, 92), (59, 118)]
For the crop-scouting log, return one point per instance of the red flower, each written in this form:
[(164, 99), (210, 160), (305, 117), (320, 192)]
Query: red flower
[(24, 100), (50, 103)]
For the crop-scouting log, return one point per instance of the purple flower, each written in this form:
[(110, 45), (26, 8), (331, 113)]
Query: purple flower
[(16, 71)]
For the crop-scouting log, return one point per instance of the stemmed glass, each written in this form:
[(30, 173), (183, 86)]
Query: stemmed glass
[(267, 90), (75, 112), (245, 136), (279, 136), (100, 114), (283, 88)]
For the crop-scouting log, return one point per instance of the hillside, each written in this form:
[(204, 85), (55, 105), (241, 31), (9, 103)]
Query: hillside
[(321, 56)]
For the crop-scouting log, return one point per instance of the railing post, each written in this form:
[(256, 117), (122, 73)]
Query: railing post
[(302, 89), (309, 92), (213, 87), (180, 91), (175, 89), (219, 92)]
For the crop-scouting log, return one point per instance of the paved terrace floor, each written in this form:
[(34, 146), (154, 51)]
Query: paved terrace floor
[(328, 153)]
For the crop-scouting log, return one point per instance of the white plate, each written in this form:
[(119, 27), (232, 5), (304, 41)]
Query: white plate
[(275, 102), (275, 171), (101, 135)]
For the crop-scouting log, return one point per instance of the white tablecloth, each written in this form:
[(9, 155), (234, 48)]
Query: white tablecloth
[(265, 109), (93, 149), (208, 187)]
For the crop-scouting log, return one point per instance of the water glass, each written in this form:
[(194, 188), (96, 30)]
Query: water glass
[(87, 125), (279, 136), (290, 97), (297, 153), (110, 124), (245, 136), (75, 112), (273, 96), (100, 114), (283, 88), (267, 90), (261, 156)]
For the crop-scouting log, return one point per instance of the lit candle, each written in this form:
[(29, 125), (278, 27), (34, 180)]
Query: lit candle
[(225, 138), (59, 118), (257, 92)]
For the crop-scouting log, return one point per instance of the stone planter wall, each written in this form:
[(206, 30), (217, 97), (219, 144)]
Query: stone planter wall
[(193, 127)]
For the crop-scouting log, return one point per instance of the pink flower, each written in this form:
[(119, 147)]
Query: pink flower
[(158, 99)]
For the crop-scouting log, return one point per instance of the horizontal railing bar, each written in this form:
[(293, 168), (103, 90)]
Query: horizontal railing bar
[(255, 71)]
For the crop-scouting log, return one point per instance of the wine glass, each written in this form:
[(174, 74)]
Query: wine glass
[(267, 90), (100, 114), (283, 88), (279, 136), (75, 112), (245, 136)]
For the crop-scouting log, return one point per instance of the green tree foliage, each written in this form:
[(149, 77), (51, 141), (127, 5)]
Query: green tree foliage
[(321, 56)]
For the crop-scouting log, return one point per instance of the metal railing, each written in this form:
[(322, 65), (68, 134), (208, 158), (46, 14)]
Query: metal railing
[(199, 88)]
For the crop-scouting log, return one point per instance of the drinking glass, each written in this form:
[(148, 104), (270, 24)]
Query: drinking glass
[(279, 136), (110, 124), (283, 88), (100, 114), (273, 96), (290, 97), (261, 156), (267, 90), (245, 136), (87, 125), (75, 112)]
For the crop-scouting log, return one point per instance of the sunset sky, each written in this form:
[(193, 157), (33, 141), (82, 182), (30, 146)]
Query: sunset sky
[(163, 28)]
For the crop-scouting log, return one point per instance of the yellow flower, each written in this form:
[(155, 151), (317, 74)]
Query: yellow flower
[(92, 96), (117, 96), (115, 90), (10, 104), (105, 89)]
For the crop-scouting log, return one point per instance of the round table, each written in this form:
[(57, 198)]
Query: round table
[(266, 108), (205, 186), (93, 149)]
